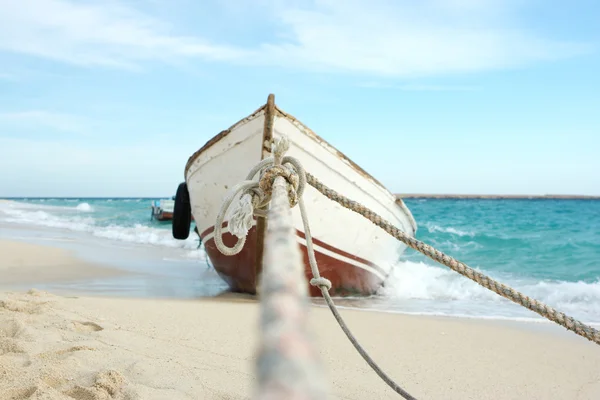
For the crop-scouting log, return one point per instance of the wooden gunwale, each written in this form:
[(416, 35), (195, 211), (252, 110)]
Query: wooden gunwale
[(261, 222), (280, 112), (218, 137)]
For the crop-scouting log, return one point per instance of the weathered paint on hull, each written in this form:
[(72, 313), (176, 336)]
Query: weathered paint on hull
[(239, 273)]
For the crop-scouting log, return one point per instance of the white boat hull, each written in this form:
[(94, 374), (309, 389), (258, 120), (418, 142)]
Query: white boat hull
[(353, 253)]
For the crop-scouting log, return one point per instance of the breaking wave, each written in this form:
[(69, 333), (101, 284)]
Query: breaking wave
[(447, 290), (82, 218)]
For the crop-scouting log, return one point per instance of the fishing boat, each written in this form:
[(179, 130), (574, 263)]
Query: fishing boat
[(162, 210), (354, 254)]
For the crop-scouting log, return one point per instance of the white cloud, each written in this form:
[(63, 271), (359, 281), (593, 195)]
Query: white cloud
[(419, 87), (409, 38), (95, 33), (35, 118), (380, 37)]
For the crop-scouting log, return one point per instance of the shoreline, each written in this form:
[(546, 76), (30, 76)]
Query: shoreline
[(63, 271), (534, 320), (67, 266)]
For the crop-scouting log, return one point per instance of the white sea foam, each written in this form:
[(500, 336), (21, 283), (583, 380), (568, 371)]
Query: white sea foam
[(417, 280), (145, 235), (85, 207), (439, 287), (44, 215), (436, 228)]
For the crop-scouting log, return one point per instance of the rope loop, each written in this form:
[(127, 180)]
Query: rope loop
[(255, 196), (321, 282), (286, 171)]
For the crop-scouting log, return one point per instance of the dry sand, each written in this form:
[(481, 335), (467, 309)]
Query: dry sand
[(86, 348)]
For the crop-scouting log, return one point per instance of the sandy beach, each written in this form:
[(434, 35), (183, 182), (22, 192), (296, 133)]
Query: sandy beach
[(432, 161), (72, 347)]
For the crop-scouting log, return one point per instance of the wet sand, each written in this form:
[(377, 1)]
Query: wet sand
[(22, 263)]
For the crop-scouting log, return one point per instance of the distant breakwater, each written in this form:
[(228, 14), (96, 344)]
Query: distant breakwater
[(497, 196)]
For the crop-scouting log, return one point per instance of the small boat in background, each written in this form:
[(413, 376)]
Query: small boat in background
[(353, 253), (162, 210)]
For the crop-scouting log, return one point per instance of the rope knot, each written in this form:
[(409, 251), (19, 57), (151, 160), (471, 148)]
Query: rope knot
[(241, 217), (321, 282), (286, 171)]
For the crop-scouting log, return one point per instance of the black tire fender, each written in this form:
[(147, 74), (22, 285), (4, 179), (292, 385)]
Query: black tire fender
[(182, 213)]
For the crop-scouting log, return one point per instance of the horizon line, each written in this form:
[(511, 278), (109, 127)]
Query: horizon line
[(398, 195), (497, 196)]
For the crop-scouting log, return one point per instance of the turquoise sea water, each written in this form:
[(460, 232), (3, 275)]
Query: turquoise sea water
[(548, 249)]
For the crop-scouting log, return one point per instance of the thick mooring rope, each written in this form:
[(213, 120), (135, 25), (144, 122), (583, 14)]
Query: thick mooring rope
[(253, 192), (255, 196), (542, 309)]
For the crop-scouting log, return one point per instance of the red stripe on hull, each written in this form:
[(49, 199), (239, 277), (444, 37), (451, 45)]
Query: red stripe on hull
[(239, 270), (316, 242), (341, 252)]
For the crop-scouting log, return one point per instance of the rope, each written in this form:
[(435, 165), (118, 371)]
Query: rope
[(260, 193), (325, 284), (288, 365), (503, 290), (255, 196)]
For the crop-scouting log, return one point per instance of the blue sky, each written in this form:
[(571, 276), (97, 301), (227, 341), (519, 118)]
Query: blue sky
[(110, 98)]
